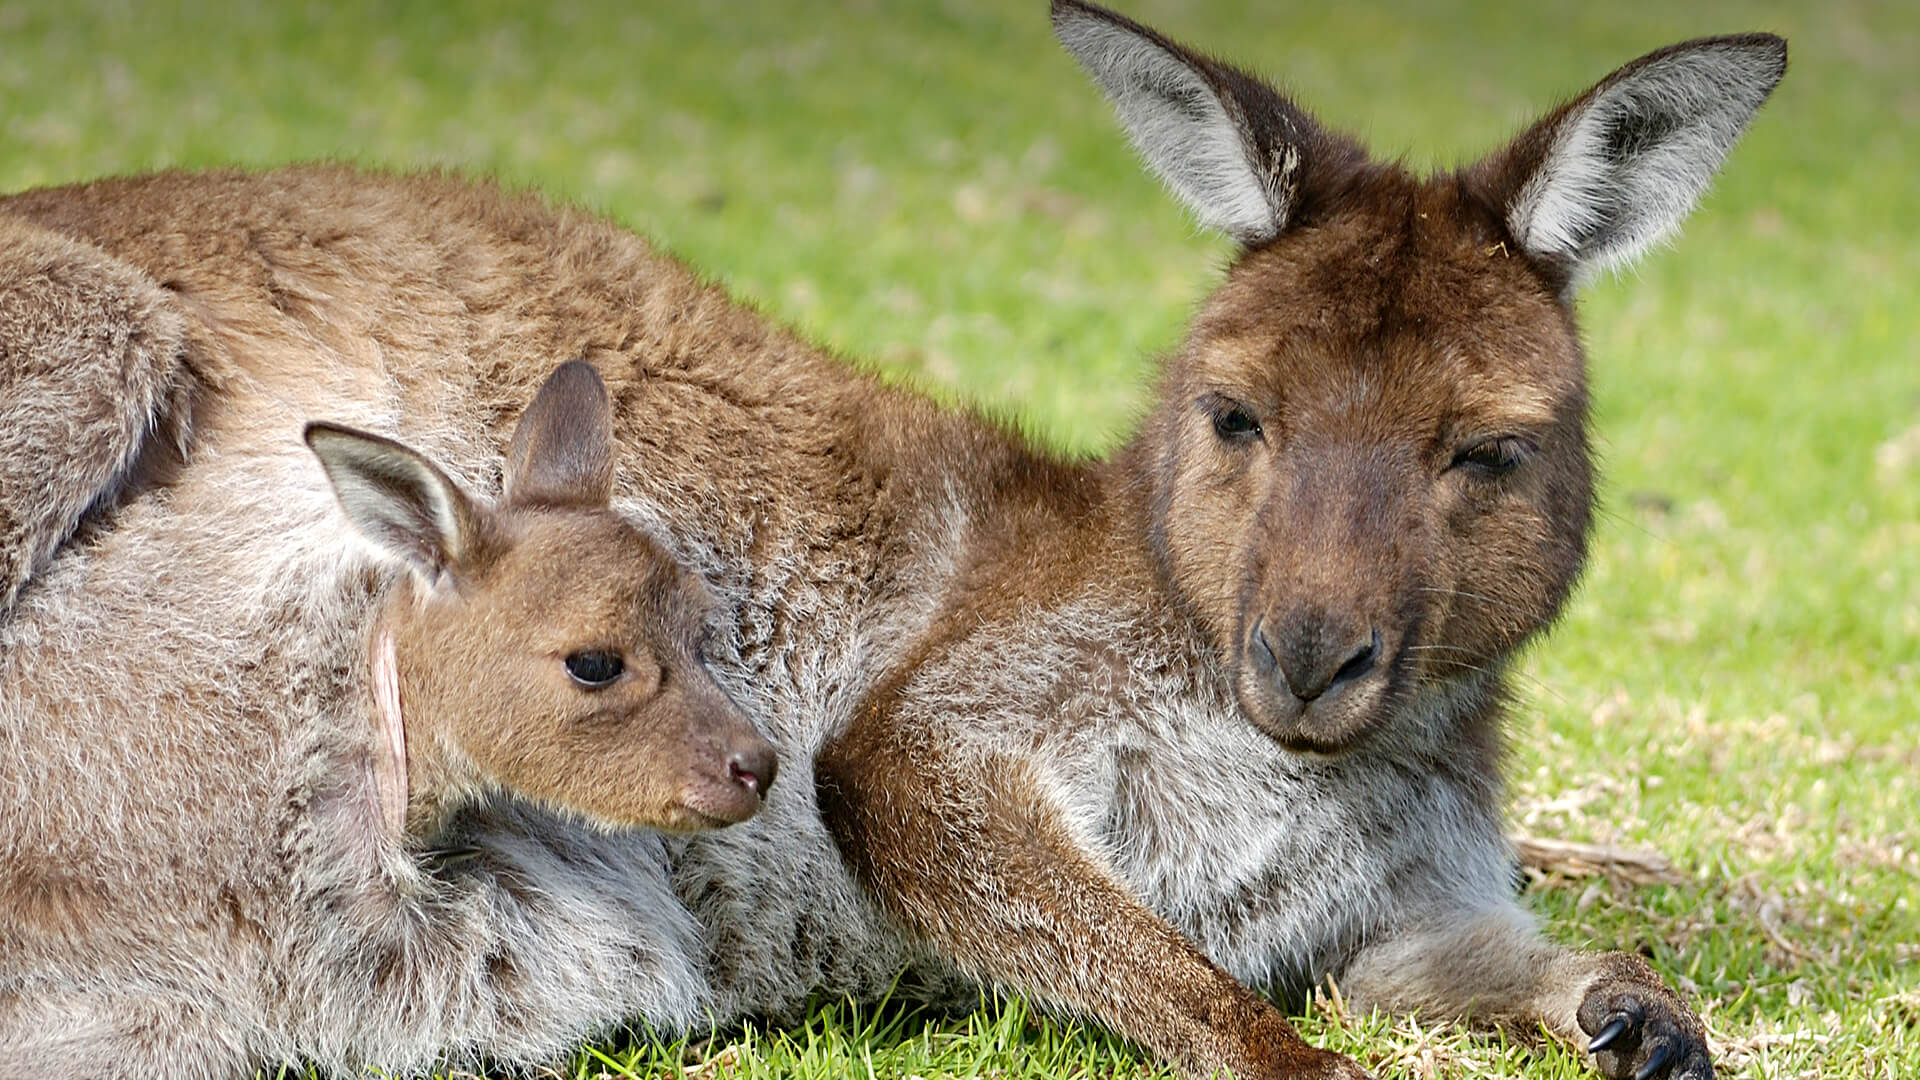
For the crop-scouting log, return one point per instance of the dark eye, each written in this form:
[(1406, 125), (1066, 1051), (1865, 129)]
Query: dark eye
[(595, 669), (1232, 422), (1493, 456)]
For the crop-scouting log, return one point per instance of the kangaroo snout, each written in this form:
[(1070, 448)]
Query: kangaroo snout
[(1314, 655), (1313, 677), (733, 769)]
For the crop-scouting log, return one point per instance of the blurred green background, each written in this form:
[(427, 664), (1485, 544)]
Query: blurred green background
[(934, 190)]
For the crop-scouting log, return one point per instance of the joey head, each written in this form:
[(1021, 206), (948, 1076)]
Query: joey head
[(543, 645)]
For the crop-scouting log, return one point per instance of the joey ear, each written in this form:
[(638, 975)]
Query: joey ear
[(562, 453), (1600, 180), (397, 498), (1232, 148)]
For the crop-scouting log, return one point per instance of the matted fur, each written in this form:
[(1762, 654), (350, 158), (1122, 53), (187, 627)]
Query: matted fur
[(1007, 689)]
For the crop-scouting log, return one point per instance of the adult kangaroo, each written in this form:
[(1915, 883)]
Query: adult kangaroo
[(1148, 739)]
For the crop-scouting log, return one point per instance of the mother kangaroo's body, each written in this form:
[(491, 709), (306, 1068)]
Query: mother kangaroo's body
[(1129, 736)]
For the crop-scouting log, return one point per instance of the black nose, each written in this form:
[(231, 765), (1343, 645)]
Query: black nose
[(1314, 654), (753, 767)]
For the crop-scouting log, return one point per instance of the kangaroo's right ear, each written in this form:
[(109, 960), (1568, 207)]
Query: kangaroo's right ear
[(562, 453), (397, 498), (1236, 151)]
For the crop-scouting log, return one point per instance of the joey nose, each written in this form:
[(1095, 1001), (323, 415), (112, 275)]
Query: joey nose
[(753, 767), (1318, 656)]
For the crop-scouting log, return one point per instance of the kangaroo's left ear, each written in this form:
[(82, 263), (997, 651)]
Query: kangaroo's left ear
[(1240, 154), (400, 501), (1601, 179)]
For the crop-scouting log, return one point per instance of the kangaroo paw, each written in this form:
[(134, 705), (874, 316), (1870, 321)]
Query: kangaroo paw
[(92, 369), (1638, 1029)]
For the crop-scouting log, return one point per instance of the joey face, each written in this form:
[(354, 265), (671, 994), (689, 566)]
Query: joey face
[(543, 645), (1373, 464), (568, 669)]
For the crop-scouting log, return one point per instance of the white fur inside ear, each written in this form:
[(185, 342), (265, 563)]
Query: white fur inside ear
[(1179, 124), (403, 526), (1628, 165), (393, 497)]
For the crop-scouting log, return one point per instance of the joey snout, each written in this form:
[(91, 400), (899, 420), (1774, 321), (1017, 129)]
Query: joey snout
[(752, 765), (728, 781), (732, 767)]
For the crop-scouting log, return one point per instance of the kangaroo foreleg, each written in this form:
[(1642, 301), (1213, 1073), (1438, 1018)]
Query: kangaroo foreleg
[(972, 862), (92, 366), (1494, 965)]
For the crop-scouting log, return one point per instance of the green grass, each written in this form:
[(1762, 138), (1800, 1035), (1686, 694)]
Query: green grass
[(932, 188)]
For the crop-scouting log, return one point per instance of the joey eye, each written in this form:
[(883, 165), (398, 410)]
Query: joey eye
[(1495, 456), (595, 669), (1233, 423)]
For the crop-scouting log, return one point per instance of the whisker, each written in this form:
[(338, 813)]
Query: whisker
[(1510, 670), (1481, 597)]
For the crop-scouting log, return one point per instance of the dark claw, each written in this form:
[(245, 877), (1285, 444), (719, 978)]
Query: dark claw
[(1614, 1029), (1658, 1057), (441, 858)]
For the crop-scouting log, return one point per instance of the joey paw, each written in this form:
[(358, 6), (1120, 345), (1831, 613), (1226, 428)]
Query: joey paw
[(1327, 1065), (1639, 1030)]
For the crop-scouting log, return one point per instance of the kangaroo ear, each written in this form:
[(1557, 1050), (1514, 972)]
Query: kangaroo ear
[(1603, 178), (397, 498), (562, 453), (1230, 146)]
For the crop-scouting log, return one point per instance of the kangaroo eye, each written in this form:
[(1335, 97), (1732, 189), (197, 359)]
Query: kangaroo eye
[(1493, 456), (595, 669), (1232, 422)]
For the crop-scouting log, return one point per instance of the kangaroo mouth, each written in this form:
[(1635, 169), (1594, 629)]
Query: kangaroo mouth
[(1307, 745), (1312, 729)]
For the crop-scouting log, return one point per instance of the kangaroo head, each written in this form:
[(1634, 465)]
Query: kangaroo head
[(1369, 466), (543, 645)]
